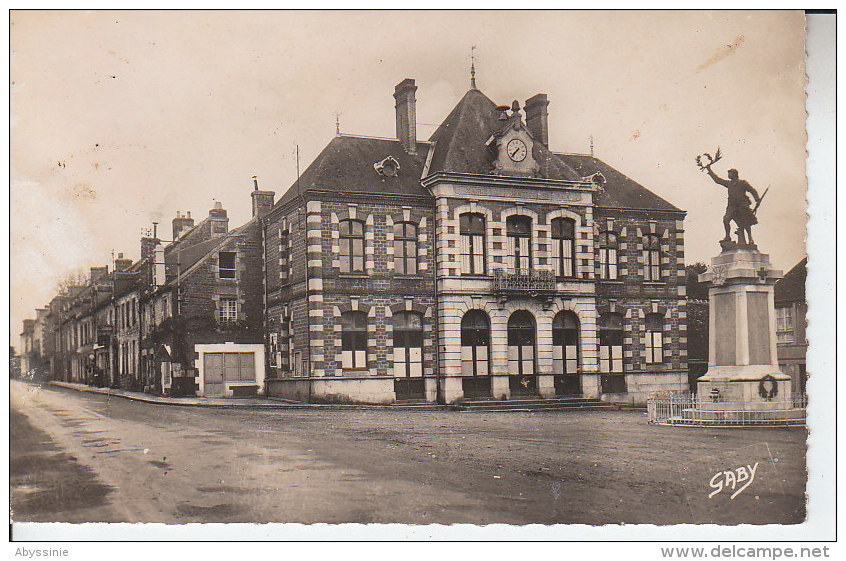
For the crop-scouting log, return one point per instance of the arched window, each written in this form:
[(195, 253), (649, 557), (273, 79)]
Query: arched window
[(519, 233), (353, 340), (408, 345), (608, 255), (472, 228), (565, 343), (405, 248), (352, 246), (610, 343), (654, 339), (475, 343), (651, 258), (564, 246), (521, 343)]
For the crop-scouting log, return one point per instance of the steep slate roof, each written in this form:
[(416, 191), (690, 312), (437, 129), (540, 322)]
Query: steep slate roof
[(346, 166), (461, 141), (620, 190), (190, 254), (194, 254), (791, 287)]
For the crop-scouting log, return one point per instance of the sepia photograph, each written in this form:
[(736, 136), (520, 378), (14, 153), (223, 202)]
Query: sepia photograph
[(408, 267)]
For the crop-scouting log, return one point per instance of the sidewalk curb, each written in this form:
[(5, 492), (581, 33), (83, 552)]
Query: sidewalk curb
[(273, 403)]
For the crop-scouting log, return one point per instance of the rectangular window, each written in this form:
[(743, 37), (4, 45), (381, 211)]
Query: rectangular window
[(654, 339), (273, 349), (610, 351), (608, 263), (654, 347), (284, 256), (519, 233), (784, 325), (563, 246), (351, 246), (652, 258), (228, 310), (353, 340), (408, 345), (472, 228), (608, 256), (405, 249), (226, 264)]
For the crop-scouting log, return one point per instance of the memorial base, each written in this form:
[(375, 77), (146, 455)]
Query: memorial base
[(764, 393)]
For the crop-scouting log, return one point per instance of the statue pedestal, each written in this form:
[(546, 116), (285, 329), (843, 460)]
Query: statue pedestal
[(743, 371)]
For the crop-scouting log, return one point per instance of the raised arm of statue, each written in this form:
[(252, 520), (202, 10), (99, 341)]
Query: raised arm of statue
[(717, 179)]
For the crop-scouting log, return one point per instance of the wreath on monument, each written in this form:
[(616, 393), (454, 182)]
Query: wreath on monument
[(768, 388)]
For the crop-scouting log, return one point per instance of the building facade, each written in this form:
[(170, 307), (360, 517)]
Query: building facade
[(202, 321), (791, 308), (476, 264), (479, 263)]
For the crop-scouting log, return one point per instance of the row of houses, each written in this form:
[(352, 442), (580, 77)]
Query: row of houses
[(477, 263)]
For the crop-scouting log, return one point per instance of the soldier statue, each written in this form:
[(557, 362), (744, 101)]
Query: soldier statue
[(739, 206)]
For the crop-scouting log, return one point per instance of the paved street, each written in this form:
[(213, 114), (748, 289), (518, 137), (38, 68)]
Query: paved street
[(87, 457)]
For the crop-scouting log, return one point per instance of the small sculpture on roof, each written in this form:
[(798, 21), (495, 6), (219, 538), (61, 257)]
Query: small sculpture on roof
[(388, 167)]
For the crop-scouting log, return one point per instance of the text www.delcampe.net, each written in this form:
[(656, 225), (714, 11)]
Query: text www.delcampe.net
[(745, 552)]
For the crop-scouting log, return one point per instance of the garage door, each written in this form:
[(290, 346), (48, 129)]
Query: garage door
[(227, 367)]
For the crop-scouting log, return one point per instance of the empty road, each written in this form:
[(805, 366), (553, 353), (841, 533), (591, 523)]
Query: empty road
[(86, 457)]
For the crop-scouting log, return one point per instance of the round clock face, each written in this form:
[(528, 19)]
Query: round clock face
[(516, 150)]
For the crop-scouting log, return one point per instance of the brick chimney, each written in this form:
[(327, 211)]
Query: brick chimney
[(218, 219), (262, 200), (537, 118), (406, 107), (122, 264), (181, 224), (98, 272), (148, 247)]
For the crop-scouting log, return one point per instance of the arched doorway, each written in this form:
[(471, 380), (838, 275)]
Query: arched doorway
[(475, 354), (521, 354), (565, 353)]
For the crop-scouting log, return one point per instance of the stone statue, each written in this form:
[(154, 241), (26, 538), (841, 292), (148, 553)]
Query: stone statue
[(739, 207)]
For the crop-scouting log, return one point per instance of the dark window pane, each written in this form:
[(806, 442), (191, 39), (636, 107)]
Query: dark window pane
[(226, 264), (654, 322), (519, 225)]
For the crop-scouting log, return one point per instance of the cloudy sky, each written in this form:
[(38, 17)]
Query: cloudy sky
[(122, 118)]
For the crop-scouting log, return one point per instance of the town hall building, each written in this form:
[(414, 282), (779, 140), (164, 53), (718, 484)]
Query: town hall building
[(478, 263)]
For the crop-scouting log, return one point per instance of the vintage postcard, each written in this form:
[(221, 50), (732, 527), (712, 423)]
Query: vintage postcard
[(414, 267)]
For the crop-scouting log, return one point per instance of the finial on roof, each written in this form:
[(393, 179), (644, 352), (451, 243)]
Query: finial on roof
[(337, 124), (515, 107), (591, 146), (473, 67)]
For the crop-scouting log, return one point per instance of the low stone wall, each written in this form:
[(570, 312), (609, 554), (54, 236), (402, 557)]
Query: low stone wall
[(640, 385), (353, 390), (289, 388)]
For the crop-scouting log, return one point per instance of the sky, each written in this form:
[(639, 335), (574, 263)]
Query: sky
[(120, 118)]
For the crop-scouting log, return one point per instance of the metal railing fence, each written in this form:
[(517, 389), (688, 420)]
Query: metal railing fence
[(688, 409)]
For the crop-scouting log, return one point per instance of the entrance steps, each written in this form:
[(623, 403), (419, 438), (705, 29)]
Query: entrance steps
[(415, 405), (524, 404)]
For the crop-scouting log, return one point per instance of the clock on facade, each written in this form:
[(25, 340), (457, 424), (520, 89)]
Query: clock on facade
[(516, 150)]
